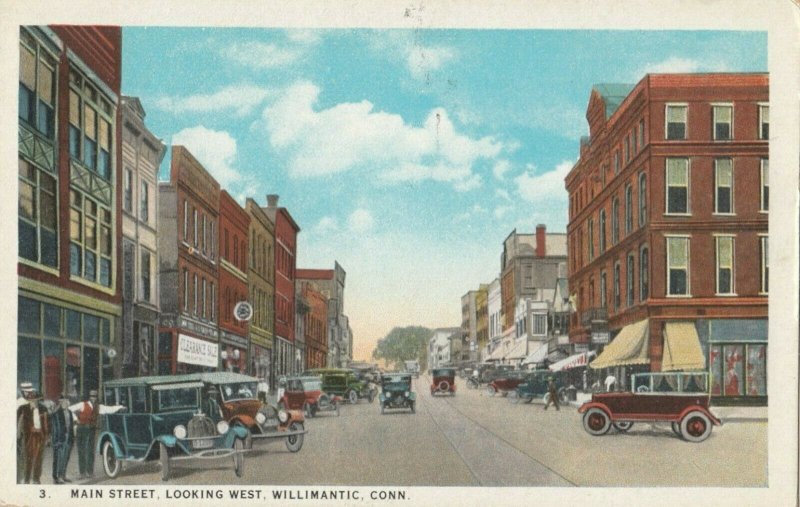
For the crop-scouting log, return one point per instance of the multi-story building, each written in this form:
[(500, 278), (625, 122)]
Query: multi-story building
[(439, 346), (481, 320), (302, 308), (316, 320), (668, 210), (70, 225), (331, 284), (286, 230), (234, 227), (469, 325), (261, 290), (188, 215), (493, 307), (142, 153)]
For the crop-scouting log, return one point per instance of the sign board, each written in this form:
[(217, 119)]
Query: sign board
[(581, 347), (243, 311), (600, 336), (195, 351)]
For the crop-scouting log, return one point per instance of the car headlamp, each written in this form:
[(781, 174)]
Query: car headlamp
[(179, 431), (222, 427), (261, 418), (283, 416), (405, 394)]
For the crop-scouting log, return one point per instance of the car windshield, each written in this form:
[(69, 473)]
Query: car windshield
[(336, 380), (396, 382), (312, 385), (177, 399), (443, 373), (670, 382), (238, 391)]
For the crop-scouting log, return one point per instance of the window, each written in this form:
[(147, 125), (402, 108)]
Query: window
[(616, 162), (225, 246), (204, 299), (644, 285), (185, 290), (616, 287), (764, 184), (627, 149), (145, 276), (213, 303), (90, 132), (185, 221), (213, 247), (127, 198), (764, 264), (590, 232), (194, 225), (677, 185), (723, 121), (724, 264), (602, 230), (642, 199), (195, 294), (603, 289), (723, 186), (205, 234), (677, 266), (641, 133), (144, 201), (628, 208), (629, 280), (540, 324), (634, 148), (38, 215), (676, 121), (614, 221), (90, 239), (37, 84), (763, 121)]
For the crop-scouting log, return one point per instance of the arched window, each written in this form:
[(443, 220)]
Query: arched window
[(644, 278)]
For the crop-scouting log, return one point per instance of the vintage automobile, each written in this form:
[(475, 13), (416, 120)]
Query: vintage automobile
[(165, 418), (534, 384), (237, 400), (306, 394), (486, 373), (396, 392), (505, 382), (680, 399), (444, 381), (344, 382)]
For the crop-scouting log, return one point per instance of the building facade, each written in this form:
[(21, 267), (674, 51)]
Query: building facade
[(70, 225), (188, 207), (439, 346), (234, 227), (469, 326), (316, 287), (668, 229), (261, 291), (495, 328), (142, 153)]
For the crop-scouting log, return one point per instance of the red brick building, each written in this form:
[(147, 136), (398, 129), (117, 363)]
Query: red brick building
[(70, 228), (668, 212), (316, 319), (234, 224), (187, 242)]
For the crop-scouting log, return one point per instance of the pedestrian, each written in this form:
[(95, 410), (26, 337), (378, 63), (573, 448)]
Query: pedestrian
[(87, 413), (610, 382), (21, 401), (32, 431), (552, 393), (62, 427)]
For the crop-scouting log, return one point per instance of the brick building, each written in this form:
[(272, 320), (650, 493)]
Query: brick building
[(261, 281), (234, 226), (316, 317), (668, 210), (69, 299)]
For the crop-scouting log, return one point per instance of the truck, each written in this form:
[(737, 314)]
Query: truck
[(412, 366)]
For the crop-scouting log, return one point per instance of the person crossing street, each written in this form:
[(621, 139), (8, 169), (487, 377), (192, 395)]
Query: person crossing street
[(552, 392)]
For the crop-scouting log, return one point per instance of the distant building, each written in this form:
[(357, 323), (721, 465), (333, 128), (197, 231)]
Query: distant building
[(439, 346), (331, 283), (494, 309)]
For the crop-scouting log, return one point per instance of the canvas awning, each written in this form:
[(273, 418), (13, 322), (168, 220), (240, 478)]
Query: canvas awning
[(517, 351), (629, 347), (573, 361), (682, 349), (537, 356), (497, 354)]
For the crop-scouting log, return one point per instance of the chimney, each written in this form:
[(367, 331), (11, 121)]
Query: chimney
[(540, 240), (272, 200)]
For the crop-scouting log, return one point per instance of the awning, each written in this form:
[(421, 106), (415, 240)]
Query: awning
[(517, 351), (682, 348), (537, 356), (573, 361), (629, 347), (497, 353)]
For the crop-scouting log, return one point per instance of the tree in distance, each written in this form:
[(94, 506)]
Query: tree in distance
[(404, 344)]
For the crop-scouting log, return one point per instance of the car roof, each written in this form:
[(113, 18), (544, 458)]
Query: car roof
[(304, 377), (396, 375), (215, 377)]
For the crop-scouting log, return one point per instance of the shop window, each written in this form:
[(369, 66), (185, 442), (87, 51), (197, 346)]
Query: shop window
[(37, 84), (52, 321), (723, 186), (146, 276), (29, 361), (764, 184), (29, 312), (38, 215), (53, 363), (725, 258), (723, 122), (90, 131), (756, 378), (90, 239), (73, 371), (677, 185), (763, 121), (677, 266), (676, 121), (73, 325)]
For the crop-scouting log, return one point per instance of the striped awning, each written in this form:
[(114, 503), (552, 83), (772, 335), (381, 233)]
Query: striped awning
[(630, 346), (682, 349), (573, 361)]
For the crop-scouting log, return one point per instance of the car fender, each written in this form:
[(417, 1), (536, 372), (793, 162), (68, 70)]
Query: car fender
[(236, 432), (412, 396), (115, 442), (244, 420), (593, 404), (294, 416), (692, 408), (168, 440)]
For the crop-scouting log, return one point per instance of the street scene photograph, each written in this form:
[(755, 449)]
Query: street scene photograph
[(345, 263)]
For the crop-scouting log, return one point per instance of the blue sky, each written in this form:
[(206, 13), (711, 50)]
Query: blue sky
[(406, 155)]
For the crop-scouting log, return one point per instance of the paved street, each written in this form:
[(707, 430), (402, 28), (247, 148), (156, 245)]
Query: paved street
[(474, 439)]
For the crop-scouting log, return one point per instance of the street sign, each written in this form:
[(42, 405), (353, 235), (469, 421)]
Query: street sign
[(600, 336), (243, 311)]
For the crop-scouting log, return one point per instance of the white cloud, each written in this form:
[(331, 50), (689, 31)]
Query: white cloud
[(405, 46), (216, 150), (422, 60), (360, 221), (548, 186), (501, 168), (326, 225), (353, 135), (261, 55), (678, 65), (241, 99)]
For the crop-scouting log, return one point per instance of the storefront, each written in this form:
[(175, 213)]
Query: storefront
[(260, 362), (627, 353), (283, 355), (233, 359)]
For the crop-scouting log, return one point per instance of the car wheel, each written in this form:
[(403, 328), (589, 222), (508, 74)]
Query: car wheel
[(513, 397), (352, 397), (676, 428), (622, 426), (238, 457), (491, 391), (164, 458), (111, 465), (695, 426), (295, 442), (596, 422)]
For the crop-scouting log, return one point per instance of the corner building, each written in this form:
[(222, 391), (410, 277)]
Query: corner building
[(668, 230)]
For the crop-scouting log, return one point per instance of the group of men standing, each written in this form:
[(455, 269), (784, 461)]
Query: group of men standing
[(38, 420)]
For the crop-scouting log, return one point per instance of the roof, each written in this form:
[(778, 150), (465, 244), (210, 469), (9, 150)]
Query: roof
[(613, 94), (216, 377)]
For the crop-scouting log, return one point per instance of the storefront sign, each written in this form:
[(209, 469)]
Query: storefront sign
[(600, 336), (581, 347), (199, 352)]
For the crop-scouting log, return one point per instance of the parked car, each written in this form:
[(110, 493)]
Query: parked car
[(306, 394), (236, 396), (344, 382), (534, 384), (505, 382), (396, 392), (486, 373), (444, 381), (680, 399), (167, 419)]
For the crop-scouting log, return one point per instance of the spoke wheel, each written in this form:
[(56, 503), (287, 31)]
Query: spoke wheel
[(490, 390), (238, 458), (695, 426), (622, 426), (164, 458), (352, 397), (295, 442), (596, 422), (111, 465)]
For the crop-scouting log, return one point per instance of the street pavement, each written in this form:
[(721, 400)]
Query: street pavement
[(474, 439)]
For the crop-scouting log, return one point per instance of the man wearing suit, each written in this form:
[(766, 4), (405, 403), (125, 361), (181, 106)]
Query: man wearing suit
[(61, 439), (32, 431), (88, 412)]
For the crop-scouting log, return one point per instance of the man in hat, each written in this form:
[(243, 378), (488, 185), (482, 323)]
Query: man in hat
[(61, 439), (87, 413), (21, 401), (552, 392), (32, 430)]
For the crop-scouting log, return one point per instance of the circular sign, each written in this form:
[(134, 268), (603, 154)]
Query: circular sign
[(243, 311)]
